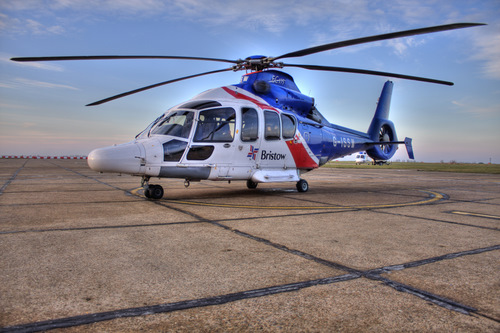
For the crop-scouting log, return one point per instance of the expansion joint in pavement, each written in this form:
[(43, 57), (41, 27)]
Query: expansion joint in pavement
[(14, 175)]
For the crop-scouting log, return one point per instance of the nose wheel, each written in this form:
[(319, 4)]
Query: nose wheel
[(151, 191), (154, 192)]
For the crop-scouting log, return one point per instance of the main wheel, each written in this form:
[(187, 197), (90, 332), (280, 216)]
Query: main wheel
[(302, 185), (155, 192), (251, 184)]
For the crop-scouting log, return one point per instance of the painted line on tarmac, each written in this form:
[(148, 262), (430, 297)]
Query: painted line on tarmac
[(494, 217), (429, 219), (432, 198)]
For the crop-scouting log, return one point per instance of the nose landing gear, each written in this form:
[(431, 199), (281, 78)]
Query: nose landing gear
[(154, 192), (151, 191)]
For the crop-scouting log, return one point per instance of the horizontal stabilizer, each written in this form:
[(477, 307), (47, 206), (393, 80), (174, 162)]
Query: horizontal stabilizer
[(409, 148), (407, 143)]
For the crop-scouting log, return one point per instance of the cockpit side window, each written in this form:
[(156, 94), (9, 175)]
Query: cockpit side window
[(272, 125), (176, 124), (249, 125), (288, 122), (216, 125)]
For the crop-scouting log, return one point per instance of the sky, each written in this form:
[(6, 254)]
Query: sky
[(42, 104)]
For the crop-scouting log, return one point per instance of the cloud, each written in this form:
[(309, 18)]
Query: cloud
[(477, 110), (24, 26), (331, 19), (42, 84), (39, 65), (95, 6), (16, 107), (273, 16), (337, 16), (5, 58), (488, 50)]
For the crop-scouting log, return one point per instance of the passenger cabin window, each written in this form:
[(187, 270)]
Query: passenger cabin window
[(175, 124), (249, 125), (200, 153), (216, 125), (272, 125), (288, 122)]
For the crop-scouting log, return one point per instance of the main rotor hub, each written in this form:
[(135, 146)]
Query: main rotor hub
[(257, 63)]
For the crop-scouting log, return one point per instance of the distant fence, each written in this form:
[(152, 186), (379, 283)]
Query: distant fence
[(45, 157)]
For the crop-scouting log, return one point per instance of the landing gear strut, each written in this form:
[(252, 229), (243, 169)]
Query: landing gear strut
[(151, 191)]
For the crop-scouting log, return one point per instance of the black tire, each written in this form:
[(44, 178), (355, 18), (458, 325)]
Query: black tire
[(155, 191), (147, 193), (251, 184), (302, 185)]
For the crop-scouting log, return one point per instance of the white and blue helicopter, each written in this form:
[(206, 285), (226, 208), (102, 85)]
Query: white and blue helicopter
[(260, 130)]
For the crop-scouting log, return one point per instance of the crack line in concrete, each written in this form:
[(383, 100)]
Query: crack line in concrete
[(170, 307)]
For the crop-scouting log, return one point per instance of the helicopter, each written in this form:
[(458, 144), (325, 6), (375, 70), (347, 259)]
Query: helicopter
[(260, 130)]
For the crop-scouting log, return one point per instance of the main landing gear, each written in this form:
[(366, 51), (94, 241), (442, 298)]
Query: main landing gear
[(151, 191), (156, 191), (302, 185), (251, 184)]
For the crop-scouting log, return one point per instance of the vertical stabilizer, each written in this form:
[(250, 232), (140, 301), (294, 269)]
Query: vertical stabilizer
[(382, 129), (384, 103), (382, 111)]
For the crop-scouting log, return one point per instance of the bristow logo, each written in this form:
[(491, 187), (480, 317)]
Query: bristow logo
[(271, 156), (253, 152)]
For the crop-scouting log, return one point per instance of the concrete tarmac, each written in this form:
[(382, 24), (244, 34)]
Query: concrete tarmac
[(362, 250)]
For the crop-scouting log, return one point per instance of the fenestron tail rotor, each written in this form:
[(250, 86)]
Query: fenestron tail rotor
[(385, 135), (259, 63)]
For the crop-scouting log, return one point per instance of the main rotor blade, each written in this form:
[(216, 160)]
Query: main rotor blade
[(375, 38), (115, 57), (156, 85), (369, 72)]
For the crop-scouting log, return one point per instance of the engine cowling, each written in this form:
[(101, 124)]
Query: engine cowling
[(386, 133)]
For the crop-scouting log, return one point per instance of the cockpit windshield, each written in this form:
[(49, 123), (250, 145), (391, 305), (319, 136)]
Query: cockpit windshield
[(177, 124)]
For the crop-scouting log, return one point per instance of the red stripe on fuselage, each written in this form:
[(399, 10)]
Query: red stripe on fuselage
[(260, 104), (300, 155)]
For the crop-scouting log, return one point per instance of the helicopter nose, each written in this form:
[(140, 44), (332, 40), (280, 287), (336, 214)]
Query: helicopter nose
[(124, 158)]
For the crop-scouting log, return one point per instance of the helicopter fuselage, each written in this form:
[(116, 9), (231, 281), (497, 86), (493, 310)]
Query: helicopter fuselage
[(261, 130)]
